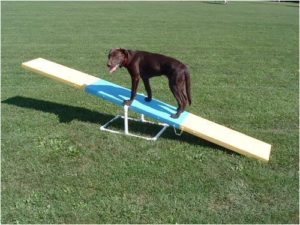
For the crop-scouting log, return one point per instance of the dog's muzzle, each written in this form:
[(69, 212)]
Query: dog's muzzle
[(113, 69)]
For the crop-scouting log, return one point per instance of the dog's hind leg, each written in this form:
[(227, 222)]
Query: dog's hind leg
[(182, 99), (178, 96)]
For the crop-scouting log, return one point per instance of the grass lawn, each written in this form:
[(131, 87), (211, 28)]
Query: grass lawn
[(57, 167)]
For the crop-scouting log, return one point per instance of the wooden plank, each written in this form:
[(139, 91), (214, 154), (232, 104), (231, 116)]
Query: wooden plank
[(226, 137), (59, 72)]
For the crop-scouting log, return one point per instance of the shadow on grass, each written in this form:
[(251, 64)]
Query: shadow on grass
[(67, 113), (215, 2)]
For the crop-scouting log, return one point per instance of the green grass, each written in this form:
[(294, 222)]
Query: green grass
[(57, 167)]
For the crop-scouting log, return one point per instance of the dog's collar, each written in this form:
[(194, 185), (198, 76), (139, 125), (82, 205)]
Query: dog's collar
[(125, 62)]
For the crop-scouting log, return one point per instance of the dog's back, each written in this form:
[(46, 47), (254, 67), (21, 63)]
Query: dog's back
[(154, 64)]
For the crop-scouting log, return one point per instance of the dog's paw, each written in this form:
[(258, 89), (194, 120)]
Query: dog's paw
[(147, 99), (127, 102), (175, 116)]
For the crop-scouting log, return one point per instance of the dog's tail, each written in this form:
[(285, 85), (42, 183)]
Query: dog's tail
[(188, 85)]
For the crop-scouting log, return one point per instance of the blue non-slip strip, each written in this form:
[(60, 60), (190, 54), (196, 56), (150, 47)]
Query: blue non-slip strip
[(117, 94)]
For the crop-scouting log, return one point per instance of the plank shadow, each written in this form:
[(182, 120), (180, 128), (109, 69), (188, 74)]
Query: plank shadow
[(67, 113)]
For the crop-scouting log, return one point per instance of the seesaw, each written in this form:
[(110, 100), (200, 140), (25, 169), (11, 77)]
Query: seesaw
[(155, 109)]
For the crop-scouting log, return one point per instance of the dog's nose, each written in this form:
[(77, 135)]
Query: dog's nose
[(108, 64)]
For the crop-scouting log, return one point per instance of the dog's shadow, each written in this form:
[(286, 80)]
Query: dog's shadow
[(67, 113)]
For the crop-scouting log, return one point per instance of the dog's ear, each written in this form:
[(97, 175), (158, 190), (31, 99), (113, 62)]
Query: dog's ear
[(124, 51)]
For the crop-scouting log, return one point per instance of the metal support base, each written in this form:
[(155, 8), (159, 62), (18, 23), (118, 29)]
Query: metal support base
[(126, 130)]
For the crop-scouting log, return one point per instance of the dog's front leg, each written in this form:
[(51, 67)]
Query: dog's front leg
[(134, 85), (148, 89)]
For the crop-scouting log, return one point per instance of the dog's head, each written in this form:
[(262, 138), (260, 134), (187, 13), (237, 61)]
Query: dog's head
[(117, 57)]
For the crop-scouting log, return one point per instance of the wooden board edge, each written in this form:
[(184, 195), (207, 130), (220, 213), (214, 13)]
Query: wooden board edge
[(265, 149), (31, 69)]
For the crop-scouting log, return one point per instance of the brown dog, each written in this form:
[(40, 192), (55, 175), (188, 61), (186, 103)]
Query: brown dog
[(145, 65)]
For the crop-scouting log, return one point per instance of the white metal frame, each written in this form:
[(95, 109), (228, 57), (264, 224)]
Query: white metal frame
[(126, 127)]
